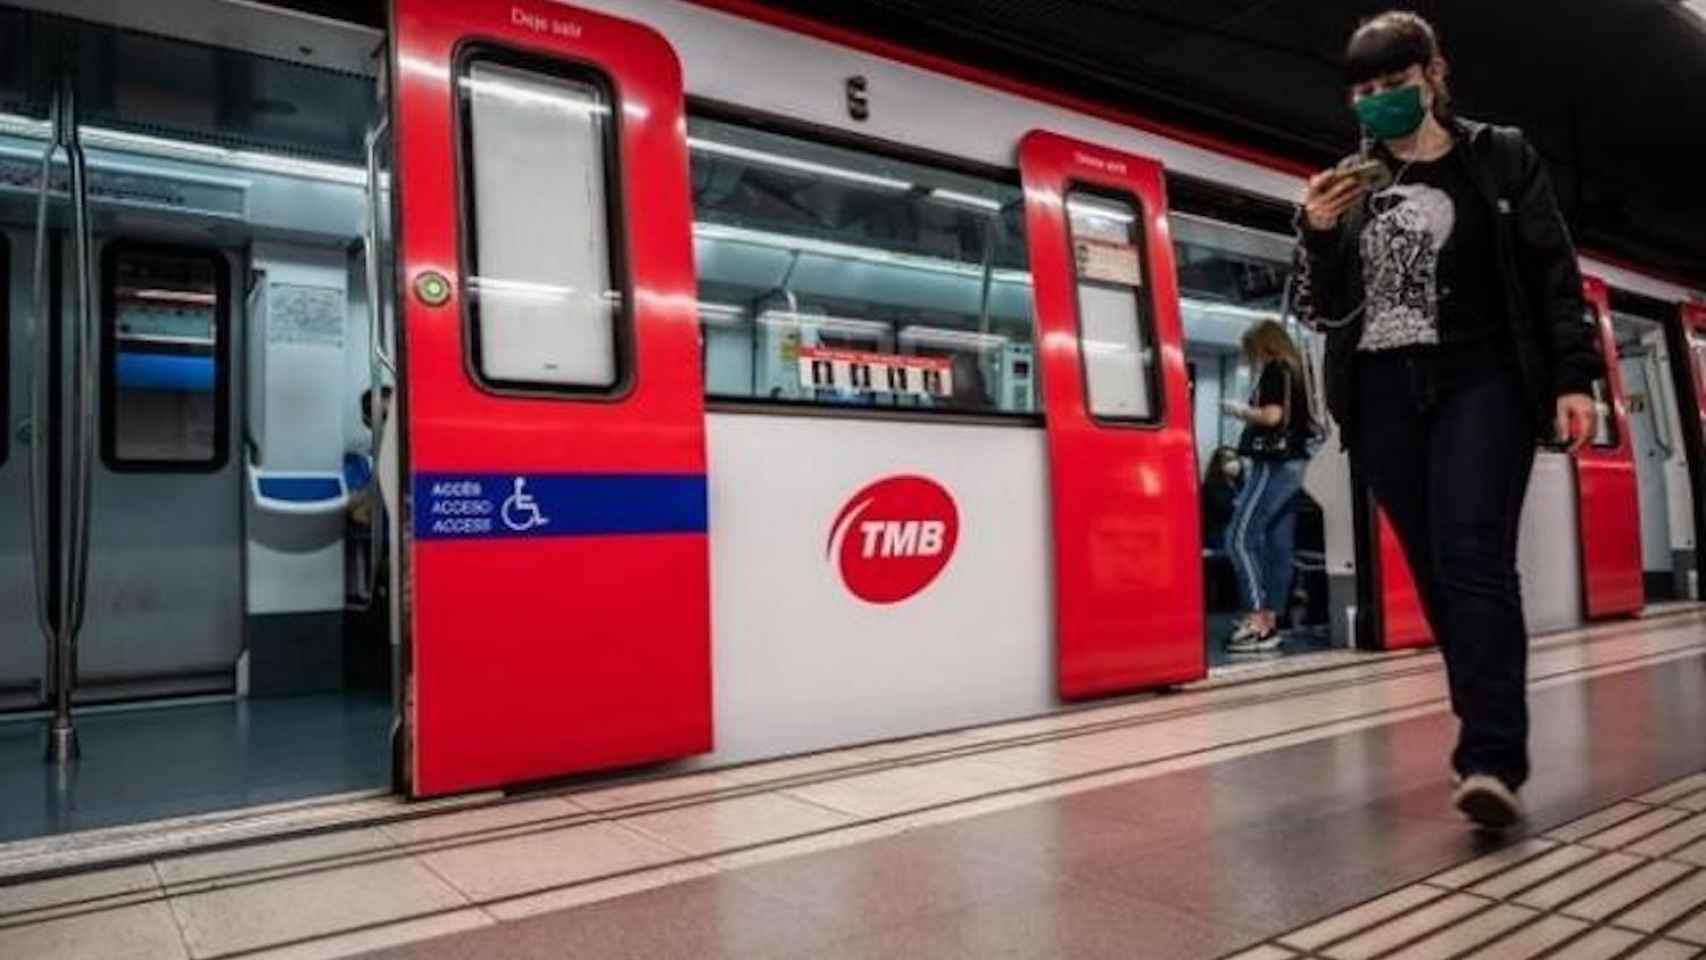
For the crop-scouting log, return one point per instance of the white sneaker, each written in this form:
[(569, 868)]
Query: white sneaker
[(1487, 802), (1244, 633)]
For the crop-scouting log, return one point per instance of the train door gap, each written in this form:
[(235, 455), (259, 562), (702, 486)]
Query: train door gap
[(1231, 280), (1665, 463), (234, 646)]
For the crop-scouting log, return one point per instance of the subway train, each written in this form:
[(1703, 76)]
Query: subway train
[(556, 389)]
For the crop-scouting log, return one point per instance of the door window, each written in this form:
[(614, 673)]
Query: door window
[(544, 298), (164, 376), (1115, 326), (1605, 429)]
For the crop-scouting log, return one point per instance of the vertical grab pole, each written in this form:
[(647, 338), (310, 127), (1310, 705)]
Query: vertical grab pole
[(379, 361), (86, 370), (376, 340), (43, 518), (62, 741)]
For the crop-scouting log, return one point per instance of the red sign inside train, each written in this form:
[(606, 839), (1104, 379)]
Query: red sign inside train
[(894, 538)]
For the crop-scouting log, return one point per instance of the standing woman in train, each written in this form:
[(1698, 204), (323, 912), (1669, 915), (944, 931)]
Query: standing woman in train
[(1264, 520), (1448, 286)]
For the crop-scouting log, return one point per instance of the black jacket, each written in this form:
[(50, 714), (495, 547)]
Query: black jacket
[(1557, 348)]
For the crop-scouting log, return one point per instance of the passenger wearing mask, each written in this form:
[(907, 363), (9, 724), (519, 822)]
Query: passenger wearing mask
[(1264, 520), (1220, 488), (1447, 284)]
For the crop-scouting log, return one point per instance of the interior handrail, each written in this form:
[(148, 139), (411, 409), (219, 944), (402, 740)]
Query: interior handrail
[(41, 382), (380, 363), (83, 412), (370, 243)]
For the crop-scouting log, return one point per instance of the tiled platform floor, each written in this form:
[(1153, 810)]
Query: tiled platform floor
[(1191, 825), (1625, 881)]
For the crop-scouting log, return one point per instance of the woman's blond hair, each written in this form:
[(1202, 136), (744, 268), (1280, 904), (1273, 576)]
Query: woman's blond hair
[(1268, 341)]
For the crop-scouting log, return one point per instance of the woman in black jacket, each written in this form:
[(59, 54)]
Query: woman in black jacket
[(1448, 287)]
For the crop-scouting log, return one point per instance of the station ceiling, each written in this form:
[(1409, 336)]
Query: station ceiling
[(1613, 92)]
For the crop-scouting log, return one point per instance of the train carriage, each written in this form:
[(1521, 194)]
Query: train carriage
[(539, 390)]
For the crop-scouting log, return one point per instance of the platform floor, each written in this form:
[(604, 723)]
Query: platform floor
[(1199, 824)]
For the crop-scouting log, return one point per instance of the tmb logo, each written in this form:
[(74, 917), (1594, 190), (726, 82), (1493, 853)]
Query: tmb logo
[(894, 537)]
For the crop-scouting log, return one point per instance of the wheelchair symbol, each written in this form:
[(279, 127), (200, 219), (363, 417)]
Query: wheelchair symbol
[(520, 511)]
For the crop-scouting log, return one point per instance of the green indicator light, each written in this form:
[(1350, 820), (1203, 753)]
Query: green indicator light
[(432, 288)]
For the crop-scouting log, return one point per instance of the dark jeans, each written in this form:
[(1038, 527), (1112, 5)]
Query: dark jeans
[(1450, 465)]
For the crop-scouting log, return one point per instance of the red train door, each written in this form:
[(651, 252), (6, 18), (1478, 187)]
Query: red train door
[(1403, 621), (1127, 539), (555, 547), (1608, 500)]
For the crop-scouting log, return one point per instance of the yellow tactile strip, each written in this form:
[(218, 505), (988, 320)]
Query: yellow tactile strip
[(1628, 881)]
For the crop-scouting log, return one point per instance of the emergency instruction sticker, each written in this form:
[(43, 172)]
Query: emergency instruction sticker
[(300, 313), (1108, 262), (825, 368), (483, 505)]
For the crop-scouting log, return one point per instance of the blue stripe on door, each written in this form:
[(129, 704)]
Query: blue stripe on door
[(485, 505), (164, 371)]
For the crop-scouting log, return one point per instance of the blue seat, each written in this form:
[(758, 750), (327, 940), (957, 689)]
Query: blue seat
[(299, 489)]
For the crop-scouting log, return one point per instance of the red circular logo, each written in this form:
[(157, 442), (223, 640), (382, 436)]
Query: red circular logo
[(894, 537)]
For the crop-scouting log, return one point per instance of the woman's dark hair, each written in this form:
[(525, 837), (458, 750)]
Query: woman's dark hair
[(1393, 42)]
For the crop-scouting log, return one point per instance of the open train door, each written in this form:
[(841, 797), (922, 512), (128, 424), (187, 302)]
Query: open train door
[(1608, 498), (1688, 363), (1122, 463), (555, 534)]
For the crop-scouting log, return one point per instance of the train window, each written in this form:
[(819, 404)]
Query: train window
[(164, 374), (829, 275), (543, 292), (1114, 320)]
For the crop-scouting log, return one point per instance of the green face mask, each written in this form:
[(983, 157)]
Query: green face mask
[(1391, 114)]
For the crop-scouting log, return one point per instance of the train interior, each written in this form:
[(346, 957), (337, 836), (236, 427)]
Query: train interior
[(1230, 279), (228, 639)]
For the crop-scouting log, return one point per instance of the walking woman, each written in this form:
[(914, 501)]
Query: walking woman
[(1448, 285), (1264, 521)]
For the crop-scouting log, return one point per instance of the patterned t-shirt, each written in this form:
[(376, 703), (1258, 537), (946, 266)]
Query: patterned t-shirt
[(1430, 268)]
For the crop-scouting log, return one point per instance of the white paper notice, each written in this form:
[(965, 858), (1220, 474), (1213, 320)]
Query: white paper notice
[(1108, 262)]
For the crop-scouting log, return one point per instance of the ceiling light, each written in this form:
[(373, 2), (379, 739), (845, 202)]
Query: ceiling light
[(965, 200), (796, 164), (948, 337)]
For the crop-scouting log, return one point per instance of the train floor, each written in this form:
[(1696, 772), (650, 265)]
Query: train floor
[(1278, 817), (151, 763), (1308, 639)]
